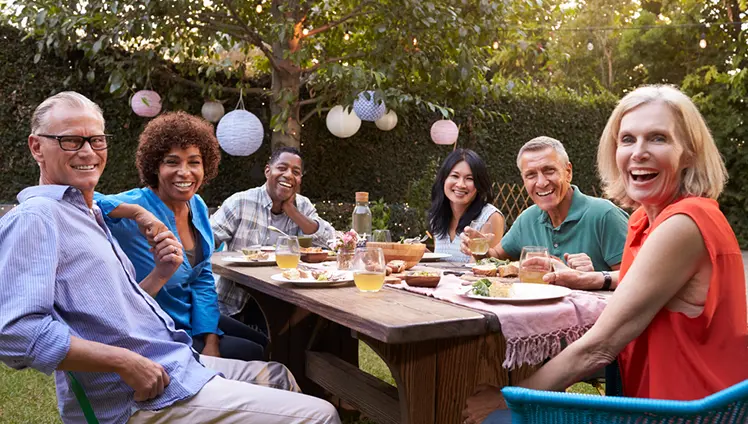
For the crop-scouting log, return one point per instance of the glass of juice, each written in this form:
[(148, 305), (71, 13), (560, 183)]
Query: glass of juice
[(534, 263), (253, 244), (479, 245), (369, 269), (287, 252)]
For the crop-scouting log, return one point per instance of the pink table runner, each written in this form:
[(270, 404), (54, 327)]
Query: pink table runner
[(533, 331)]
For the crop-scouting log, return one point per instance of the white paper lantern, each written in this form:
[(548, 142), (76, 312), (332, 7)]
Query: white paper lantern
[(341, 122), (146, 103), (444, 131), (240, 133), (387, 122), (367, 109), (212, 111)]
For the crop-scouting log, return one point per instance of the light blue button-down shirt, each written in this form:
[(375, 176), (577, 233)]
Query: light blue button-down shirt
[(62, 274), (189, 296)]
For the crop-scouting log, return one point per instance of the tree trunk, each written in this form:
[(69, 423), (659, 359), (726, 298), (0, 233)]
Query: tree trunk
[(285, 86)]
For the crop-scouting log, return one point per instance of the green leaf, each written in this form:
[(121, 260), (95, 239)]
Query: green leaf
[(40, 17), (91, 76), (115, 82), (37, 57), (97, 45)]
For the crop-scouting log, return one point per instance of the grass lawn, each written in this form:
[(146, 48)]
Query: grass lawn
[(29, 396)]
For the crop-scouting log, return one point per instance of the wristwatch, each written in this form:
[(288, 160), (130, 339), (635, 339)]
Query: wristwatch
[(607, 282)]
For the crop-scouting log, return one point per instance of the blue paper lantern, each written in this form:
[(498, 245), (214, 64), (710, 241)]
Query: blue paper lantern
[(368, 109)]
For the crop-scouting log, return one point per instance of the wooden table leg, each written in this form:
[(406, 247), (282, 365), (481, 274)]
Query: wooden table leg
[(434, 378)]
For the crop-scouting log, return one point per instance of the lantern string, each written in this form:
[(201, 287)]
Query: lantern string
[(241, 99)]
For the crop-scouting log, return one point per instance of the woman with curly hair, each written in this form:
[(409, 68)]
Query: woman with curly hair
[(177, 153)]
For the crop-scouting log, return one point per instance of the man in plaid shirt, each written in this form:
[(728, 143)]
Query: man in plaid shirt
[(276, 203)]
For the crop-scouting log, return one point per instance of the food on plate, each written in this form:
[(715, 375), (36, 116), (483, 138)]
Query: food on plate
[(321, 275), (509, 270), (396, 265), (255, 254), (484, 287), (296, 274), (492, 261), (422, 278), (488, 270), (423, 274), (387, 270), (303, 250)]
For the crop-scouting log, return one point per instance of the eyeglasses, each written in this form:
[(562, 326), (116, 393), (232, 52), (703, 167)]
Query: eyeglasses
[(72, 143)]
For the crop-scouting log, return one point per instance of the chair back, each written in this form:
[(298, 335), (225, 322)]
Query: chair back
[(729, 406)]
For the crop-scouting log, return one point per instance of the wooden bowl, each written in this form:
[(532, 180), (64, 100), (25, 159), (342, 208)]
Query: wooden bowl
[(421, 280), (411, 254), (315, 257)]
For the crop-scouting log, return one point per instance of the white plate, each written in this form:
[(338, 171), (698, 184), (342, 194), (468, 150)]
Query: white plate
[(268, 248), (242, 260), (433, 257), (313, 283), (522, 292)]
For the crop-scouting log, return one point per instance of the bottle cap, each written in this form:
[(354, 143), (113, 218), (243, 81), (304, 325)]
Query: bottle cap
[(362, 196)]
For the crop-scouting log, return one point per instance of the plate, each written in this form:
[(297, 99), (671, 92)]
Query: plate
[(312, 283), (241, 260), (434, 257), (522, 292), (268, 248)]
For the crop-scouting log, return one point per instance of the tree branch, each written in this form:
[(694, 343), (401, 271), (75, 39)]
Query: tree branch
[(354, 13), (330, 60), (312, 113), (253, 35), (310, 101), (196, 84)]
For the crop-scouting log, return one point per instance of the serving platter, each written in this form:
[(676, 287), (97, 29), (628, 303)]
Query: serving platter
[(521, 293)]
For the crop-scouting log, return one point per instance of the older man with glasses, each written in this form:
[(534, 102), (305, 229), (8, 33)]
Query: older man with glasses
[(69, 302)]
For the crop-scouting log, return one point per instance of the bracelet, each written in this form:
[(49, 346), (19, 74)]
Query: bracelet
[(608, 281)]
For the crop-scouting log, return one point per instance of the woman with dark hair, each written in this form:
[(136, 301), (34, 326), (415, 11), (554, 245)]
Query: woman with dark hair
[(177, 153), (460, 195)]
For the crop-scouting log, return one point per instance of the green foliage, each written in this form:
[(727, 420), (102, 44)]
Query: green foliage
[(380, 215)]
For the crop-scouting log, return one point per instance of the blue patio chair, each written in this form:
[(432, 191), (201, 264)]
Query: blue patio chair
[(729, 406)]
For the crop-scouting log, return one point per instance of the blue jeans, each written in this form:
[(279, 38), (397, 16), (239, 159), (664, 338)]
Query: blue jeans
[(499, 416)]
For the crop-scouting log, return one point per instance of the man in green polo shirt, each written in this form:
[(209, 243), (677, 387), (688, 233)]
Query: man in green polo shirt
[(587, 232)]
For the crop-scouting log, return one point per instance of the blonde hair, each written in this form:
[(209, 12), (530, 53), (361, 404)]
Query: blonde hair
[(706, 173), (542, 143), (65, 98)]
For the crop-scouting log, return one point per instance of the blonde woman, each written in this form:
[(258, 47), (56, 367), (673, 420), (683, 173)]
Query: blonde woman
[(677, 322)]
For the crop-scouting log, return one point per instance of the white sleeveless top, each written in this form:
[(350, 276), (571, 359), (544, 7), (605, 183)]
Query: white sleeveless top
[(443, 245)]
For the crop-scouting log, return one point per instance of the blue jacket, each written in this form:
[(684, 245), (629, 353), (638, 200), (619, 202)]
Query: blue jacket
[(189, 297)]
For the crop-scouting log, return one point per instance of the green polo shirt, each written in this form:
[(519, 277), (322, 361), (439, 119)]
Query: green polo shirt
[(594, 226)]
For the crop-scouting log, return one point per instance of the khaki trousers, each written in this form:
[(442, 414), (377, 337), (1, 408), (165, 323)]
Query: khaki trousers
[(251, 392)]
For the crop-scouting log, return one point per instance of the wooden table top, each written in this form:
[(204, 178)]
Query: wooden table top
[(390, 315)]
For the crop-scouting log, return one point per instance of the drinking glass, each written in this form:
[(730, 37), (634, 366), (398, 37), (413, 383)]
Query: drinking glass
[(479, 244), (369, 269), (381, 236), (534, 263), (287, 252), (253, 243)]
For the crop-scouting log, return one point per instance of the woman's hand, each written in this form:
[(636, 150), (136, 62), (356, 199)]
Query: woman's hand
[(485, 400), (470, 233), (212, 343), (167, 254)]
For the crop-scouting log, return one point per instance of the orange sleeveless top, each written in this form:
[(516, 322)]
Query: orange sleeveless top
[(684, 358)]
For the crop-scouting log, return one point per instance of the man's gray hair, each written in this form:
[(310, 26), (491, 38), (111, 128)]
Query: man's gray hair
[(65, 98), (542, 143)]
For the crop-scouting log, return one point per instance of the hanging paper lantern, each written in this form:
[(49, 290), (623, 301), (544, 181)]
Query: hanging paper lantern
[(240, 133), (367, 109), (387, 122), (342, 123), (444, 131), (212, 111), (146, 103)]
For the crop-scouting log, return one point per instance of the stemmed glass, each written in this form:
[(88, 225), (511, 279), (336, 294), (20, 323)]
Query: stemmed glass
[(287, 252), (534, 263), (369, 269)]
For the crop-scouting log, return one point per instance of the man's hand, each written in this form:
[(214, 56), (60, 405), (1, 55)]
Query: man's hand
[(289, 204), (579, 261), (562, 275), (146, 377), (211, 346), (149, 225), (485, 400), (167, 254)]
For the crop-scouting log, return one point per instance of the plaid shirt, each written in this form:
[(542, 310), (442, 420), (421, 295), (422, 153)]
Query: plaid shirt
[(248, 210)]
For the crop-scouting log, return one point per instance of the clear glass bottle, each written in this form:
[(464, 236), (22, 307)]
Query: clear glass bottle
[(362, 215)]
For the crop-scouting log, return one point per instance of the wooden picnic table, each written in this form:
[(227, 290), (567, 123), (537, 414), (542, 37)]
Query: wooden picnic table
[(438, 352)]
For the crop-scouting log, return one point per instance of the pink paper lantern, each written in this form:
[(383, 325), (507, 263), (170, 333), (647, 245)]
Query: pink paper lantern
[(146, 103), (444, 132)]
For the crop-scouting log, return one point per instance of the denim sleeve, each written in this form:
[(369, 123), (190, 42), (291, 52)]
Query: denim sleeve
[(29, 334)]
